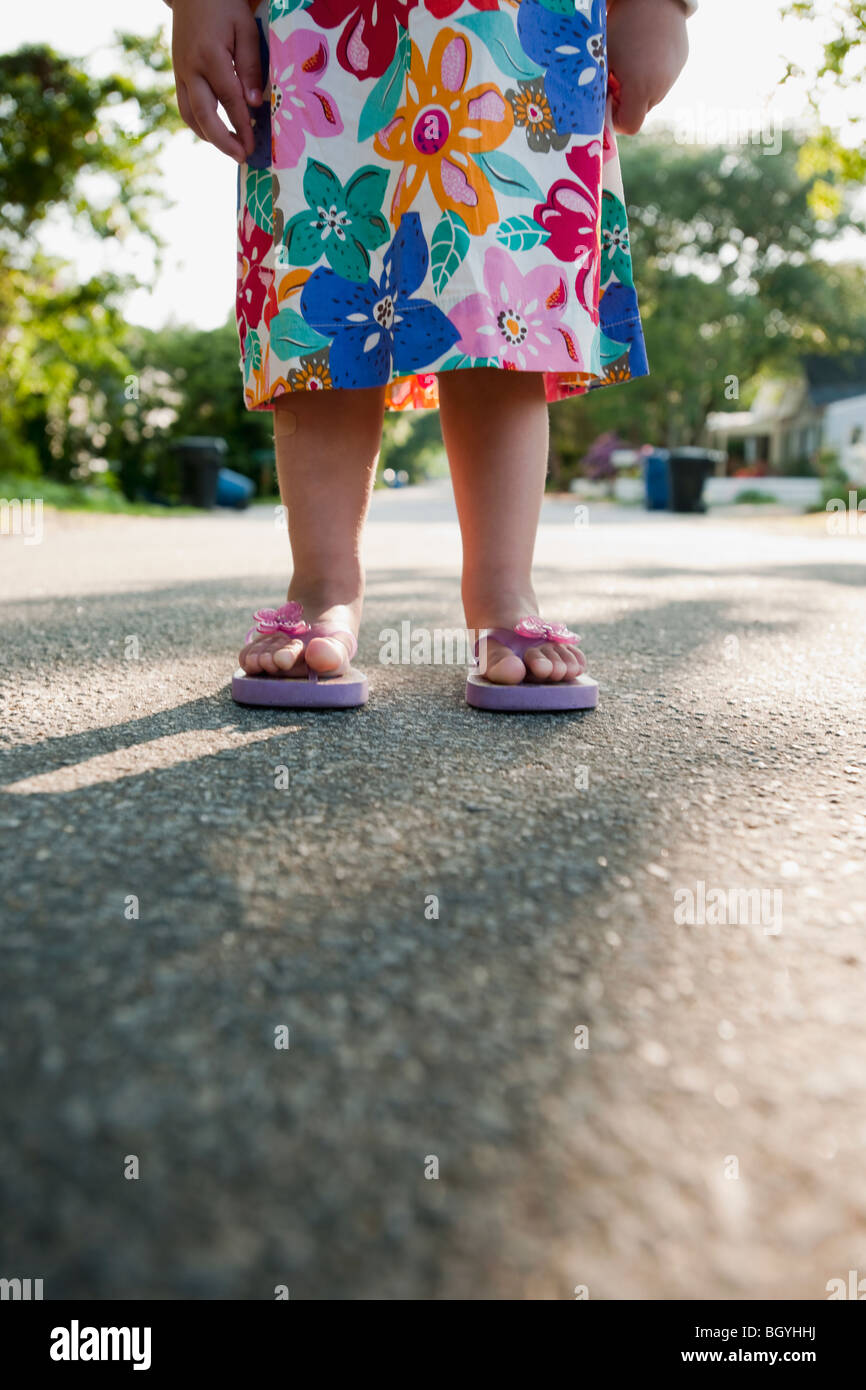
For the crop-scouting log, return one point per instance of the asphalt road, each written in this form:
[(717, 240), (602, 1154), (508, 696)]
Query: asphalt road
[(703, 1131)]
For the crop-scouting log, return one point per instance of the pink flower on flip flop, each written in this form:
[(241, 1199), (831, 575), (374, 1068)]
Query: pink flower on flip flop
[(519, 319), (298, 106), (288, 618), (545, 632)]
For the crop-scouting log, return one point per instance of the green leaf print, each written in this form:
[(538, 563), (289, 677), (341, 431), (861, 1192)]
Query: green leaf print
[(342, 224), (291, 336), (279, 8), (385, 96), (497, 32), (508, 176), (615, 247), (252, 353), (559, 6), (609, 349), (448, 247), (460, 359), (521, 233), (259, 197), (365, 191)]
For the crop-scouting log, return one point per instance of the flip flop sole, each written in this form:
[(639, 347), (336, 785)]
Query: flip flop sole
[(284, 692), (531, 696)]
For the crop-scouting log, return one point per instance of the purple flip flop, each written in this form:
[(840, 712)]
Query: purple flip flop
[(541, 697), (294, 692)]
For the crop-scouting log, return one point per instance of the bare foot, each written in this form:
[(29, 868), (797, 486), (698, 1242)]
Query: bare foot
[(278, 654), (548, 662)]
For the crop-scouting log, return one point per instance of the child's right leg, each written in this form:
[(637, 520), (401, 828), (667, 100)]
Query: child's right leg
[(327, 445)]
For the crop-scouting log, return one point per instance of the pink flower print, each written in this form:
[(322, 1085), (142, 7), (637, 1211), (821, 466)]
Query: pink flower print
[(519, 319), (571, 215), (254, 278), (298, 106)]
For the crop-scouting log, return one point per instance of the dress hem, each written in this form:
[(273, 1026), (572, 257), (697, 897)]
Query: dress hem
[(559, 384)]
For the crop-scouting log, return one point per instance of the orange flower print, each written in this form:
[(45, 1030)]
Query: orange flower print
[(438, 130)]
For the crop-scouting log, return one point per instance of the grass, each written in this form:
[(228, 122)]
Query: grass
[(80, 497), (754, 497)]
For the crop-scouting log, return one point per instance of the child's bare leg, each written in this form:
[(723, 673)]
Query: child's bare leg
[(495, 428), (327, 444)]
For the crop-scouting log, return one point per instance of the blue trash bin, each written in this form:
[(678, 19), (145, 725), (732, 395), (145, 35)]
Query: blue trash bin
[(657, 481), (233, 489)]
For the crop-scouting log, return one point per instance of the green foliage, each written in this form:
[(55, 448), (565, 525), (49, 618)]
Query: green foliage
[(61, 127), (75, 497), (186, 381), (730, 286), (826, 158), (752, 496), (411, 440), (60, 123)]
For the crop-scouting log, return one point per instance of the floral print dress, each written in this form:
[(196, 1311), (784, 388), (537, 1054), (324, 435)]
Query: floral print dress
[(435, 186)]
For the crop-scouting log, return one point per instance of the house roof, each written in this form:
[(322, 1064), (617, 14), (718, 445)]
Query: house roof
[(834, 378)]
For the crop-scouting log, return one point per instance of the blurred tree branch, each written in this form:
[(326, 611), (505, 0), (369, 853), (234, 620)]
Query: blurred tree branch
[(827, 158)]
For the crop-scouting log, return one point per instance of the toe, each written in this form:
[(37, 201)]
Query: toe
[(249, 660), (269, 666), (538, 663), (326, 655), (579, 657), (504, 668), (500, 664), (286, 657), (572, 662), (554, 655)]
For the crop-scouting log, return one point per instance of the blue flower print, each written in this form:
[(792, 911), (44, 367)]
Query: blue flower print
[(571, 49), (378, 328), (620, 321)]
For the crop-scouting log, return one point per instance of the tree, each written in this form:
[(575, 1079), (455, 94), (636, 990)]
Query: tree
[(62, 125)]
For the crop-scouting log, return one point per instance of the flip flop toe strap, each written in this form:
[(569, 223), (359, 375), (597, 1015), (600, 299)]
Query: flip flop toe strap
[(529, 632)]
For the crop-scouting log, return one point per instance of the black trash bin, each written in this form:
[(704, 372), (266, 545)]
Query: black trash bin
[(688, 471), (199, 460)]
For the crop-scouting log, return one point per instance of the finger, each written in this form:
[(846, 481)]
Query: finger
[(185, 110), (229, 90), (204, 108), (248, 63), (630, 114)]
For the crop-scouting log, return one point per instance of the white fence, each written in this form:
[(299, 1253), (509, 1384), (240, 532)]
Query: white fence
[(799, 493), (790, 492)]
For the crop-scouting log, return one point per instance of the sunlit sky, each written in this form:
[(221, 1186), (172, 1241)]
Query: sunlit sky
[(739, 53)]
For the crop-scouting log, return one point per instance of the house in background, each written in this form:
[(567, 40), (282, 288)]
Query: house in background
[(791, 423)]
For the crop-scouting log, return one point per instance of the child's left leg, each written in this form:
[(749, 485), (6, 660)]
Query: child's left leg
[(495, 428)]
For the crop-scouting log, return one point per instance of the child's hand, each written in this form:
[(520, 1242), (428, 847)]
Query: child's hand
[(647, 47), (215, 53)]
